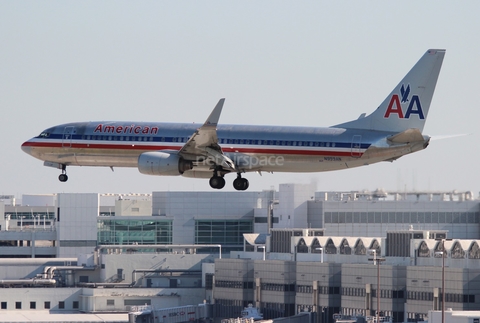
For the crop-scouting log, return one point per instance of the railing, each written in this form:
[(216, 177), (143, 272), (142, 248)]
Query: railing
[(30, 228)]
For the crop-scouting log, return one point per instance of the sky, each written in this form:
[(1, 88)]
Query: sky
[(301, 63)]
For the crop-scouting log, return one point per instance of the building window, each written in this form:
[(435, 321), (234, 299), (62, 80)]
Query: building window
[(18, 305), (474, 252), (61, 305), (423, 250), (457, 251), (226, 232), (46, 305), (134, 231), (75, 304), (208, 281), (33, 305), (330, 247), (345, 248), (302, 246), (4, 305), (110, 302), (359, 248)]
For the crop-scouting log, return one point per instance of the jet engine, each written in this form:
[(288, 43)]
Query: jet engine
[(162, 163)]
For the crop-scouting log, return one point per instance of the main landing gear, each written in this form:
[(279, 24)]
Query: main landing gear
[(240, 184), (63, 176), (218, 182)]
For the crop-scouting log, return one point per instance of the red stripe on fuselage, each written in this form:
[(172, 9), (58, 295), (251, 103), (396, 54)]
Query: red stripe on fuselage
[(131, 147)]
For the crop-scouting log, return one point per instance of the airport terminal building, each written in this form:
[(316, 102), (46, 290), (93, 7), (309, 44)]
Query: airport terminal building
[(287, 251)]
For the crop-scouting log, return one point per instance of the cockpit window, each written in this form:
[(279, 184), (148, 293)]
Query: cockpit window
[(44, 135)]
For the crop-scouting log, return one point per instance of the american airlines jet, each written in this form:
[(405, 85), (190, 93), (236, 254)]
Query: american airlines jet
[(212, 150)]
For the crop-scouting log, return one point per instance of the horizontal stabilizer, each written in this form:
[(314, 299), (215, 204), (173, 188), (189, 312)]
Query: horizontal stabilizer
[(409, 135)]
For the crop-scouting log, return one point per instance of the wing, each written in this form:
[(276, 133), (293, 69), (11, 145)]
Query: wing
[(203, 144)]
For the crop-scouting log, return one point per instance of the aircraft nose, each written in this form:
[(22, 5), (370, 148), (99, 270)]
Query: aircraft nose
[(26, 147)]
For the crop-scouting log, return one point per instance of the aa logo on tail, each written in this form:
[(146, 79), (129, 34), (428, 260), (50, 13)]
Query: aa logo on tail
[(396, 103)]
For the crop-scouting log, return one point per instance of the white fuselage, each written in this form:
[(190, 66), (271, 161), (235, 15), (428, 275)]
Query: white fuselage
[(251, 148)]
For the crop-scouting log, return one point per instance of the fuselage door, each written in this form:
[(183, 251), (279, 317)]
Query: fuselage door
[(67, 136), (357, 146)]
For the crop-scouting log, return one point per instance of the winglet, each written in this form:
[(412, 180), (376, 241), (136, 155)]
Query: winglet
[(213, 118)]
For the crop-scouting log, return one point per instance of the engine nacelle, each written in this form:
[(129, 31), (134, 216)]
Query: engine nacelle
[(163, 164)]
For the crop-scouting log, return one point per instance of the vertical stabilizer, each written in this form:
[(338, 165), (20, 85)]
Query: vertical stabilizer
[(406, 107)]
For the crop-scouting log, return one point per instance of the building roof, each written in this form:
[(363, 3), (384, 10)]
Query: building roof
[(56, 316)]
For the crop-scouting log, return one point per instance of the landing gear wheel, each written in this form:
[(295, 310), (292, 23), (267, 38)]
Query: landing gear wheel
[(240, 184), (63, 176), (217, 182)]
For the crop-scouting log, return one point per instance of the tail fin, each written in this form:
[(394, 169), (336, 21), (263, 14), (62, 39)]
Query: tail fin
[(407, 106)]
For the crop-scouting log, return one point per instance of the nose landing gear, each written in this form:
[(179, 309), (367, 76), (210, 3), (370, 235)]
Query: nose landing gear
[(63, 176)]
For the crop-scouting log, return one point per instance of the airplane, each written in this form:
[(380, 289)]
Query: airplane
[(212, 150)]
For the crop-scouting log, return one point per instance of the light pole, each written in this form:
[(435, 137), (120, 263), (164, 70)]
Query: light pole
[(321, 253), (376, 261), (443, 254)]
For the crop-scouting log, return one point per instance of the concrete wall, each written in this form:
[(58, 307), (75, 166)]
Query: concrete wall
[(185, 207), (110, 263), (460, 227), (127, 207), (95, 299), (292, 210), (77, 223), (121, 299)]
